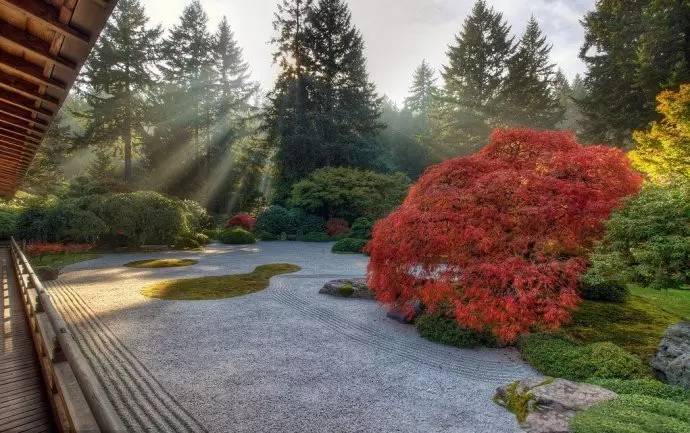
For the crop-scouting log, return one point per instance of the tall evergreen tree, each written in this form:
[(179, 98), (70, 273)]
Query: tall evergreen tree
[(527, 94), (476, 69), (119, 74), (323, 110), (568, 95), (423, 90)]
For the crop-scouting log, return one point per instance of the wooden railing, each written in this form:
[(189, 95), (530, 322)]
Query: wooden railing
[(78, 400)]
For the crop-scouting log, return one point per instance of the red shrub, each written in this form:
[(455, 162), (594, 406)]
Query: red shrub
[(499, 238), (243, 220), (40, 248), (337, 226)]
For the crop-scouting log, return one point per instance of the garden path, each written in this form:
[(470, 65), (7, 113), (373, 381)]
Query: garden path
[(286, 359)]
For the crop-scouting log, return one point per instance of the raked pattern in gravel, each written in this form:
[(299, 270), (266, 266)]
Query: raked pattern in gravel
[(283, 360)]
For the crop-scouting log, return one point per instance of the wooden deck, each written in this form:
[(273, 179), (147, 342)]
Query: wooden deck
[(23, 403)]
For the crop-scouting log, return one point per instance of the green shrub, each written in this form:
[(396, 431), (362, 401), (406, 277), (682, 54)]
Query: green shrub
[(196, 217), (361, 228), (266, 236), (444, 330), (314, 237), (212, 234), (647, 241), (557, 357), (306, 223), (349, 245), (237, 236), (8, 222), (633, 414), (186, 242), (648, 387), (349, 192), (202, 239)]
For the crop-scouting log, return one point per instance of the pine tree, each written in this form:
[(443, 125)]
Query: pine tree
[(46, 175), (473, 77), (527, 94), (568, 95), (423, 90), (119, 75)]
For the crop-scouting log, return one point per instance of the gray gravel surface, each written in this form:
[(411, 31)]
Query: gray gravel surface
[(286, 359)]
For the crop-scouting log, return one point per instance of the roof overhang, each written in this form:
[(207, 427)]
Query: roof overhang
[(43, 46)]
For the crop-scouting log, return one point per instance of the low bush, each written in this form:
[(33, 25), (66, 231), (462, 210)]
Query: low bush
[(277, 220), (349, 245), (202, 239), (337, 227), (185, 242), (41, 248), (314, 237), (445, 330), (266, 236), (633, 414), (649, 387), (557, 357), (361, 228), (242, 220), (237, 236)]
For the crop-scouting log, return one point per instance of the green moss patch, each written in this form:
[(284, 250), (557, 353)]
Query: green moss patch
[(636, 325), (220, 287), (672, 301), (648, 387), (161, 263), (61, 260), (634, 414)]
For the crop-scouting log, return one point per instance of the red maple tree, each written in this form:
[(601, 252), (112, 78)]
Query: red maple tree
[(499, 238), (243, 220)]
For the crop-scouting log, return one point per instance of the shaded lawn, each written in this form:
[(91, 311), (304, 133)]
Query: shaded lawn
[(60, 260), (226, 286), (672, 301)]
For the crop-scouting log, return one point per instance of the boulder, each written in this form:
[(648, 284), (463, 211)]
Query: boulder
[(407, 312), (47, 273), (348, 288), (672, 361), (546, 405)]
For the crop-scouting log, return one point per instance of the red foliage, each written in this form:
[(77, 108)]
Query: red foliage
[(499, 238), (40, 248), (337, 226), (243, 220)]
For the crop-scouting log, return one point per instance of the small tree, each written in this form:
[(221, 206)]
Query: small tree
[(663, 152), (498, 239)]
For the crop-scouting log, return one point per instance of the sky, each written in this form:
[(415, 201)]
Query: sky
[(398, 34)]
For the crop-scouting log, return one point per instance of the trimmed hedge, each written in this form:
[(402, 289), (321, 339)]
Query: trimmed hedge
[(277, 220), (441, 329), (349, 245), (557, 357), (237, 236), (633, 414), (649, 387)]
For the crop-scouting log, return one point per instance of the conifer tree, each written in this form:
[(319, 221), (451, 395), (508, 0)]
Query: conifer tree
[(476, 69), (527, 94), (423, 90), (119, 75)]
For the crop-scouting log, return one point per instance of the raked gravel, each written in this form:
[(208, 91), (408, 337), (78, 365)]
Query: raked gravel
[(286, 359)]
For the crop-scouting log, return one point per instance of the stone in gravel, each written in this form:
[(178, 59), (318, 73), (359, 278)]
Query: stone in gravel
[(406, 313), (672, 361), (344, 288), (548, 405), (47, 273)]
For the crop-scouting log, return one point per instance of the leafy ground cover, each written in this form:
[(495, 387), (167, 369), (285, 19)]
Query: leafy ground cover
[(219, 287), (161, 263), (60, 260)]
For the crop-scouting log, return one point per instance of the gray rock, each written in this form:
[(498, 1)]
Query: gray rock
[(547, 405), (353, 288), (672, 361), (406, 313), (47, 273)]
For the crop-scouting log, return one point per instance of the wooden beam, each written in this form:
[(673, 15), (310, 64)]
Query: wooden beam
[(17, 141), (9, 155), (9, 165), (29, 90), (24, 103), (29, 72), (23, 150), (47, 14), (7, 130), (13, 123), (20, 114), (36, 46)]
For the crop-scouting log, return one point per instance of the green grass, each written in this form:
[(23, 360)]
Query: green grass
[(61, 259), (676, 302), (636, 325), (161, 263), (226, 286), (634, 414)]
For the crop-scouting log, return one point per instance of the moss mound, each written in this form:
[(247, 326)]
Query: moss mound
[(160, 263), (226, 286)]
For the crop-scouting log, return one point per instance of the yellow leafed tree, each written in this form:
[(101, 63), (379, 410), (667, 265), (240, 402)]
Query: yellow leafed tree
[(663, 152)]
